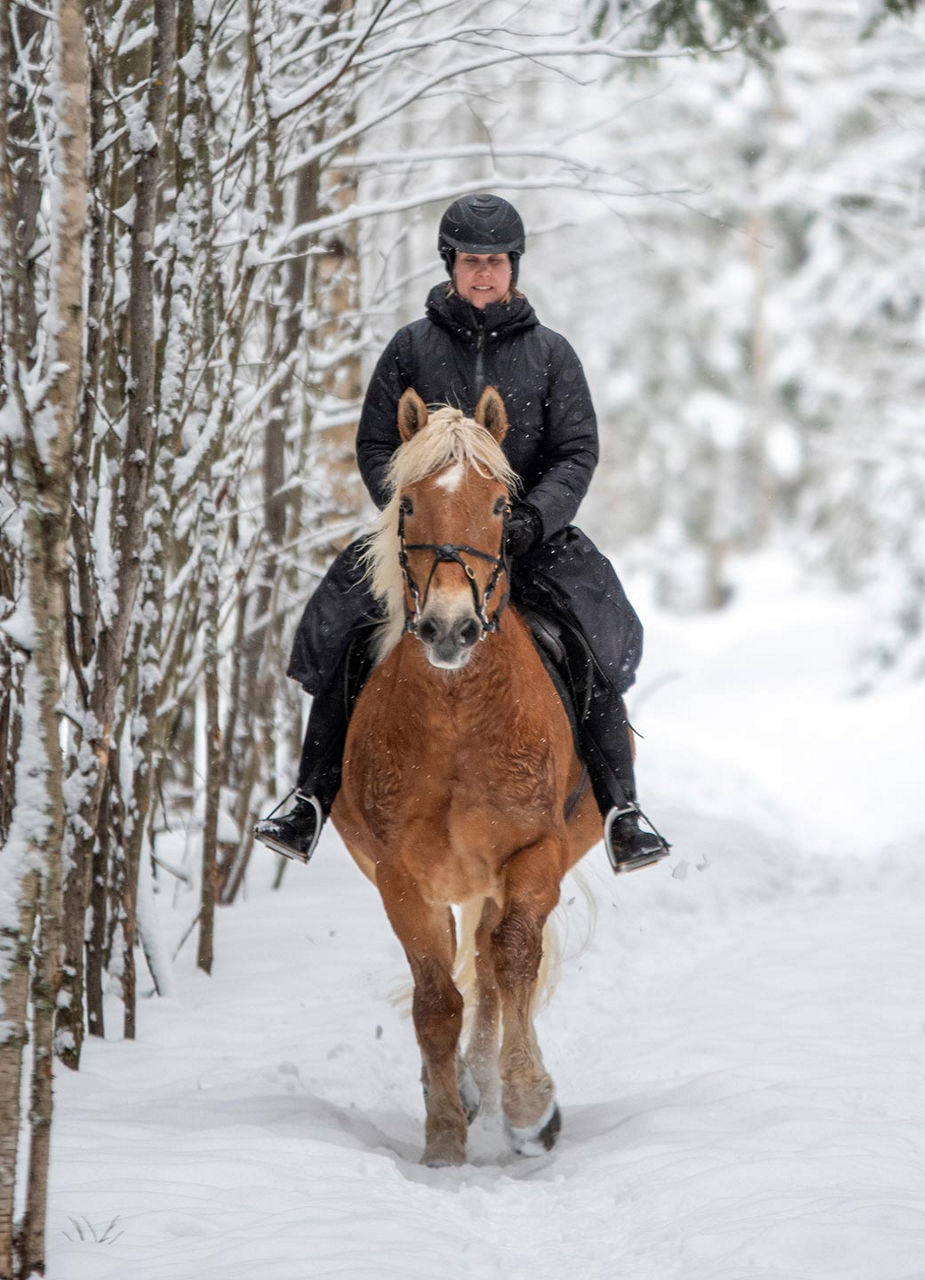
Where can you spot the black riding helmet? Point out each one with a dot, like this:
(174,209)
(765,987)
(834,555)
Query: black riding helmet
(481,224)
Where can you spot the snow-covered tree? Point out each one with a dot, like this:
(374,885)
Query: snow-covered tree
(755,318)
(42,333)
(238,172)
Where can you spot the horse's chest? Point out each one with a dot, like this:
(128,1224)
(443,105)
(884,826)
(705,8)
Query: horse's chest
(457,845)
(472,809)
(482,763)
(452,787)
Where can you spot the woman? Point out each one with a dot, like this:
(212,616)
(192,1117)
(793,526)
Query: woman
(480,330)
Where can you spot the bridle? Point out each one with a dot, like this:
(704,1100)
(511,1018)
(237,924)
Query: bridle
(452,553)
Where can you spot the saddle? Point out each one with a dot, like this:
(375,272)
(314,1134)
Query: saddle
(569,663)
(358,663)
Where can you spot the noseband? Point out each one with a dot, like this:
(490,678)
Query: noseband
(452,553)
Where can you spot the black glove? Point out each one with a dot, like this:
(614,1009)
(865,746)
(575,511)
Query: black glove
(524,529)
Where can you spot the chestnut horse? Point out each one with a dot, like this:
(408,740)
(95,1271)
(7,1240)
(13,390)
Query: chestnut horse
(461,784)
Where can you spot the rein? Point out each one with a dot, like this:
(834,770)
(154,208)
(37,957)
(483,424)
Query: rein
(452,553)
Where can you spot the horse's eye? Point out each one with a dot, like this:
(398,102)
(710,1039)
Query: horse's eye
(406,506)
(500,506)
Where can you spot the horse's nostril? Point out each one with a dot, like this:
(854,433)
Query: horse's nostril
(469,632)
(428,631)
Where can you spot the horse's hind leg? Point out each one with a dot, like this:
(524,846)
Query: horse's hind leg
(527,1091)
(428,936)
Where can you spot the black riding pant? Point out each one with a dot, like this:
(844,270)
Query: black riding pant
(565,577)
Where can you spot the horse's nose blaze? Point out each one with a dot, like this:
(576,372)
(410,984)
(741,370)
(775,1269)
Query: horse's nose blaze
(449,633)
(449,629)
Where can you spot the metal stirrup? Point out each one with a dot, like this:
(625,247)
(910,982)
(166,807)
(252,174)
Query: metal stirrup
(644,860)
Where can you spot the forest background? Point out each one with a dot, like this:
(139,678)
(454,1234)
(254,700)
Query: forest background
(213,216)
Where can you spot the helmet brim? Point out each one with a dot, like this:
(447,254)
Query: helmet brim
(467,246)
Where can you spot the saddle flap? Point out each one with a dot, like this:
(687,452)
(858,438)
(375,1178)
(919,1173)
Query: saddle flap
(568,659)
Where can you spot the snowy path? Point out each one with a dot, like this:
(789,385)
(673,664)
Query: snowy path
(740,1073)
(739,1051)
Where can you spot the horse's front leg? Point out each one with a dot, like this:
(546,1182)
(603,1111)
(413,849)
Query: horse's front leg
(482,1049)
(428,936)
(527,1091)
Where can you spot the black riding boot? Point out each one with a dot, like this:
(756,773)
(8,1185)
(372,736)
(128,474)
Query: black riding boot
(295,834)
(609,756)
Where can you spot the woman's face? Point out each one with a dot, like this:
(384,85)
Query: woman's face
(482,277)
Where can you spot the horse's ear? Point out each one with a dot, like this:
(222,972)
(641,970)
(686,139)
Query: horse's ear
(489,413)
(412,414)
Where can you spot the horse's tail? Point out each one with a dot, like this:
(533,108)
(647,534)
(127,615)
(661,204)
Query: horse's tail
(464,971)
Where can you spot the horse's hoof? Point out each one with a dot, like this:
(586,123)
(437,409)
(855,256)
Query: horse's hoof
(537,1139)
(443,1156)
(469,1094)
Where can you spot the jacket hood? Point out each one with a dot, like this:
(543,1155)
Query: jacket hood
(460,317)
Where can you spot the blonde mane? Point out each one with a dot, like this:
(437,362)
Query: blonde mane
(448,438)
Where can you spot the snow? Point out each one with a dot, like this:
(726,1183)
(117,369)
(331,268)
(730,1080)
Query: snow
(20,627)
(737,1049)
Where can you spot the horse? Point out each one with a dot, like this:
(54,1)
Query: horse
(461,783)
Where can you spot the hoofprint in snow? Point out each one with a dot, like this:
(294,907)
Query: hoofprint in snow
(738,1050)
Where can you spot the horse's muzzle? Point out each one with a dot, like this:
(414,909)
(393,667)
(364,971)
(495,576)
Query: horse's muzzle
(448,642)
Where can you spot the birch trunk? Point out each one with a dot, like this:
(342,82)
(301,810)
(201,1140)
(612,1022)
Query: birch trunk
(19,882)
(15,951)
(132,502)
(45,463)
(53,526)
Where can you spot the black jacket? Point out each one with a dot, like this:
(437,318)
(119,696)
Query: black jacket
(450,356)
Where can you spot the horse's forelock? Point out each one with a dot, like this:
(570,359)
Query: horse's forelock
(449,437)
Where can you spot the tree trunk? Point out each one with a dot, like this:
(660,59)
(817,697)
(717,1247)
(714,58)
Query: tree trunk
(96,939)
(44,993)
(53,527)
(132,503)
(15,951)
(44,464)
(213,779)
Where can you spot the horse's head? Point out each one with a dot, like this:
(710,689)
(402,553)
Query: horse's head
(452,485)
